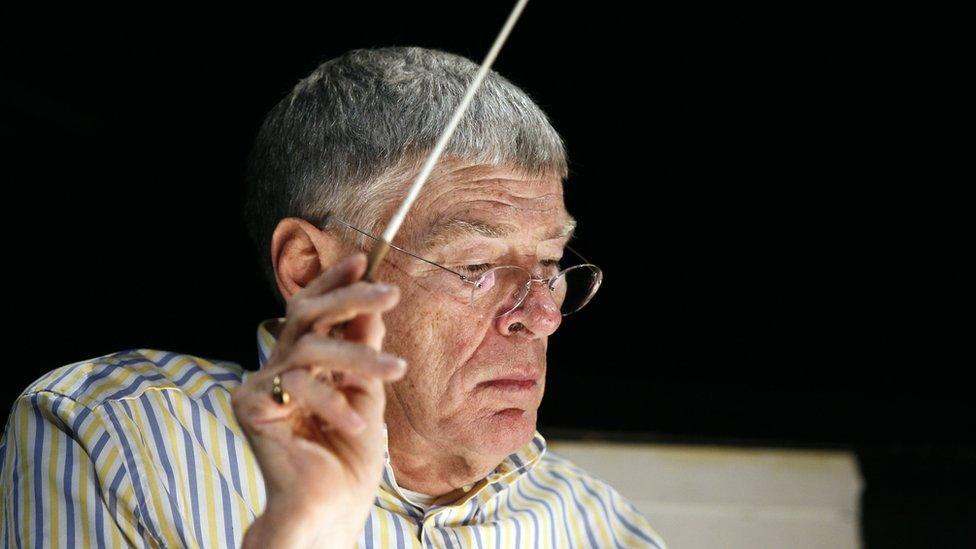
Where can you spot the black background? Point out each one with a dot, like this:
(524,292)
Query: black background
(774,276)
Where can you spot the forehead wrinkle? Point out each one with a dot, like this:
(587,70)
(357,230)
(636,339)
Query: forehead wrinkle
(455,229)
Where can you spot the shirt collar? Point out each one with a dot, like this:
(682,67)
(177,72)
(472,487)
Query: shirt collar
(507,472)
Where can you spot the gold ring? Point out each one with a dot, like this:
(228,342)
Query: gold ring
(278,393)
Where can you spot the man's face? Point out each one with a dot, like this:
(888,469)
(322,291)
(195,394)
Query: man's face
(456,350)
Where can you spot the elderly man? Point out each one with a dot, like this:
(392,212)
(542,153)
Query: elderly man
(397,413)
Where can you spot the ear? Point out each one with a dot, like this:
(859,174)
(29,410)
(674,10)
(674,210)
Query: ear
(299,253)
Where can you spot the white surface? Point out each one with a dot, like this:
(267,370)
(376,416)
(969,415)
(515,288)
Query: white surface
(698,497)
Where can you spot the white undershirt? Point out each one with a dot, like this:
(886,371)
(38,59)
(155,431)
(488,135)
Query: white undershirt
(424,501)
(421,500)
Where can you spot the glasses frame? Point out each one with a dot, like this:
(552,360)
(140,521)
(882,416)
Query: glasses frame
(550,281)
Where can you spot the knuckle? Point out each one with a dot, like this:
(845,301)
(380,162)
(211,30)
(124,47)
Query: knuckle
(310,347)
(293,303)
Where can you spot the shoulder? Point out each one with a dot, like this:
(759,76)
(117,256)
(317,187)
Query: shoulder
(129,374)
(595,497)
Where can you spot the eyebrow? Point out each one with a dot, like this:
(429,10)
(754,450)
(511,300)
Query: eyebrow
(454,229)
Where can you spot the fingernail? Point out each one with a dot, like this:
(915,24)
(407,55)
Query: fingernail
(393,362)
(381,288)
(356,422)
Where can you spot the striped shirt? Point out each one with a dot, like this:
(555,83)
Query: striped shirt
(141,448)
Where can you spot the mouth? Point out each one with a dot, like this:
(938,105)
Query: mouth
(510,385)
(522,380)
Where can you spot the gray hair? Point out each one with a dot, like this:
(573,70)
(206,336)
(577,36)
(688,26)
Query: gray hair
(366,120)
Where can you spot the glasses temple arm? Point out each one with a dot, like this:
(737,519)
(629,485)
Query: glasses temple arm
(415,256)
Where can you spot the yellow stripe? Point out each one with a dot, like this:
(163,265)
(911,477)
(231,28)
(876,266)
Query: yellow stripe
(154,483)
(174,444)
(127,503)
(546,523)
(173,368)
(251,468)
(98,391)
(197,386)
(223,403)
(54,483)
(84,492)
(384,525)
(216,459)
(594,511)
(27,510)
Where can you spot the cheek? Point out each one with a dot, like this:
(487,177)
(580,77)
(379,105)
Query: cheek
(430,336)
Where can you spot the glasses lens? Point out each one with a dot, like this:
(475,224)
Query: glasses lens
(503,288)
(500,289)
(576,287)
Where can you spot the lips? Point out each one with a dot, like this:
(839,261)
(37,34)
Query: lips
(520,379)
(509,384)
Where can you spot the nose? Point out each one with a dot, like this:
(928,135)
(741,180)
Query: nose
(537,316)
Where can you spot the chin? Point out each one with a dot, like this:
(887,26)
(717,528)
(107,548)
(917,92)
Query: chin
(504,432)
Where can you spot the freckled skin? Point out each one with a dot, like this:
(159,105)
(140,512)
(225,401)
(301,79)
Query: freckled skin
(444,431)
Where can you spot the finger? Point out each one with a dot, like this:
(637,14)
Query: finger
(315,352)
(321,313)
(310,396)
(332,407)
(343,273)
(254,406)
(368,329)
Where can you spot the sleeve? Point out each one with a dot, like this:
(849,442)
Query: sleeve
(62,481)
(606,513)
(629,523)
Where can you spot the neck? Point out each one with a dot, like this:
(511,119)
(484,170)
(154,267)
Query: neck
(430,466)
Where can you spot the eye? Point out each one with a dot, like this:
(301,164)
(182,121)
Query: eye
(476,268)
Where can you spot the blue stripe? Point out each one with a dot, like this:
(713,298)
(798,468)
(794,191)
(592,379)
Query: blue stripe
(515,521)
(65,374)
(603,507)
(191,471)
(130,464)
(130,389)
(447,538)
(539,446)
(113,500)
(562,505)
(517,461)
(235,468)
(68,496)
(227,376)
(96,450)
(579,506)
(398,530)
(104,371)
(191,371)
(102,374)
(467,520)
(79,421)
(162,454)
(38,483)
(552,516)
(633,529)
(99,505)
(18,520)
(368,530)
(224,492)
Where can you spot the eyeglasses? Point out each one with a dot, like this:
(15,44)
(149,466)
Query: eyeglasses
(504,287)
